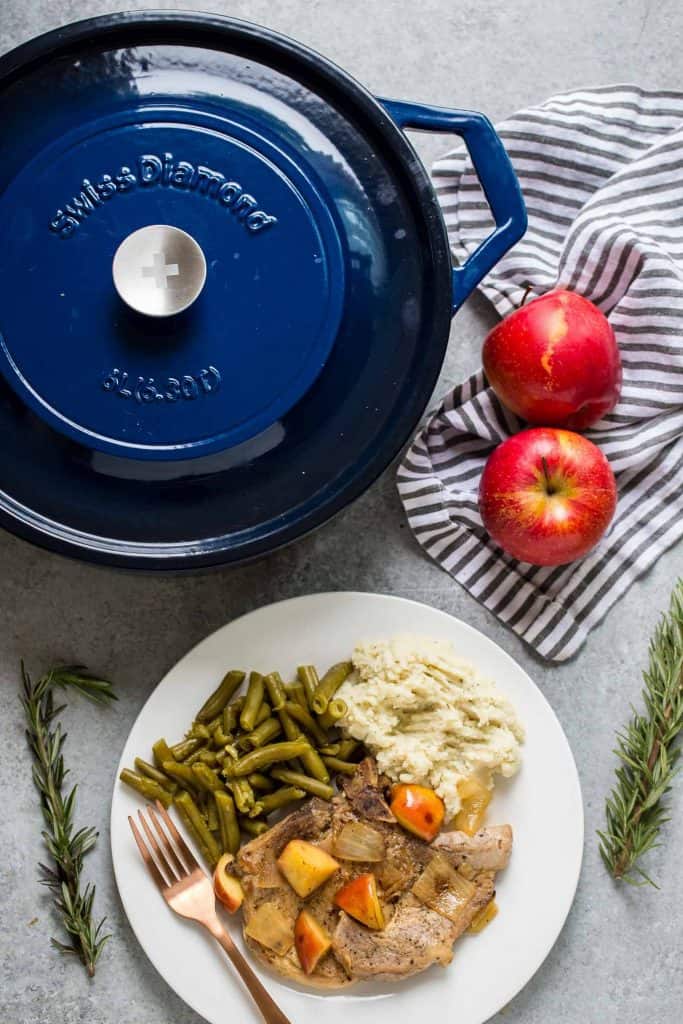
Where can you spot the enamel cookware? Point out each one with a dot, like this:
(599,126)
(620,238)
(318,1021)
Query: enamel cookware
(225,286)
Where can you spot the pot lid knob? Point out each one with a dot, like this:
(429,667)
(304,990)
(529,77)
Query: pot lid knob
(159,270)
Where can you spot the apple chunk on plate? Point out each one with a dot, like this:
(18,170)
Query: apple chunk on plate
(305,866)
(228,889)
(311,941)
(360,900)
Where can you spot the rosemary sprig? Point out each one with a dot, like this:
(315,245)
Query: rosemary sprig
(67,847)
(648,751)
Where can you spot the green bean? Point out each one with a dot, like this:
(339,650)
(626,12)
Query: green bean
(329,684)
(309,679)
(144,768)
(276,690)
(305,719)
(331,749)
(264,756)
(183,774)
(265,711)
(291,731)
(227,820)
(295,692)
(252,704)
(231,714)
(312,786)
(337,708)
(347,748)
(194,822)
(214,704)
(206,778)
(260,782)
(162,752)
(199,731)
(311,760)
(329,719)
(240,746)
(280,798)
(243,795)
(336,765)
(253,827)
(314,765)
(212,816)
(181,751)
(262,734)
(196,756)
(218,737)
(148,788)
(209,757)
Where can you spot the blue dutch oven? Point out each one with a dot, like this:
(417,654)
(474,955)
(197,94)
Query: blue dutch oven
(226,286)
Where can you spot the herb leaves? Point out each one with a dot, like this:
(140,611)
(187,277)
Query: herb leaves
(66,845)
(648,751)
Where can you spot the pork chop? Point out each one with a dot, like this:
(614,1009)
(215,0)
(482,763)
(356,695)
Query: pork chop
(415,936)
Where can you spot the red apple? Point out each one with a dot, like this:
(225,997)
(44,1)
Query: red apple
(310,940)
(359,899)
(228,889)
(555,361)
(547,495)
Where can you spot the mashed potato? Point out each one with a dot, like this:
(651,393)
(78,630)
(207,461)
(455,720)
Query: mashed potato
(428,716)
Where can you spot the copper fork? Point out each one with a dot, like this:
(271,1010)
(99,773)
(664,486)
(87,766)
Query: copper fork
(189,892)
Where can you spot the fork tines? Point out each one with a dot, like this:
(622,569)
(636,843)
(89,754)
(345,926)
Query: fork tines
(163,861)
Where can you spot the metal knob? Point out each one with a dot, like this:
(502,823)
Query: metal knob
(159,270)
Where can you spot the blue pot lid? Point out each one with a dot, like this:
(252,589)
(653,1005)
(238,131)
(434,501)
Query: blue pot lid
(290,376)
(251,343)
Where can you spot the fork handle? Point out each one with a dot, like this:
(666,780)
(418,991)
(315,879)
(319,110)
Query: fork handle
(271,1012)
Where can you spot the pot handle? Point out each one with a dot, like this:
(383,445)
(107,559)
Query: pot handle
(496,176)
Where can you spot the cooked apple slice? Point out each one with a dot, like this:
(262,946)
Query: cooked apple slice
(418,809)
(311,941)
(228,889)
(360,900)
(305,866)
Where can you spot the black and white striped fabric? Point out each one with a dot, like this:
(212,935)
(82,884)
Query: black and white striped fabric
(602,174)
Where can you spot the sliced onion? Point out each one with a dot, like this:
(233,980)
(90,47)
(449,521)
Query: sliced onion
(484,917)
(441,888)
(475,797)
(270,928)
(358,841)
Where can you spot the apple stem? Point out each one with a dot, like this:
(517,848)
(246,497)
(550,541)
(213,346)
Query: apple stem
(527,291)
(546,473)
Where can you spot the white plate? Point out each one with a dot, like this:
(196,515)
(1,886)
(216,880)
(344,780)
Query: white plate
(542,803)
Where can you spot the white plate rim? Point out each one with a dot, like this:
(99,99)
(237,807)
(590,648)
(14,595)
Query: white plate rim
(577,860)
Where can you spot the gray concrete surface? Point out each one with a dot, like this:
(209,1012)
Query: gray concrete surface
(618,959)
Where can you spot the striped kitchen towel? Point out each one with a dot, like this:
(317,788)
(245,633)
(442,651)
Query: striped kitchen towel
(602,174)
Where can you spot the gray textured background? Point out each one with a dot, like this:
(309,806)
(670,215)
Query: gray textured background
(618,958)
